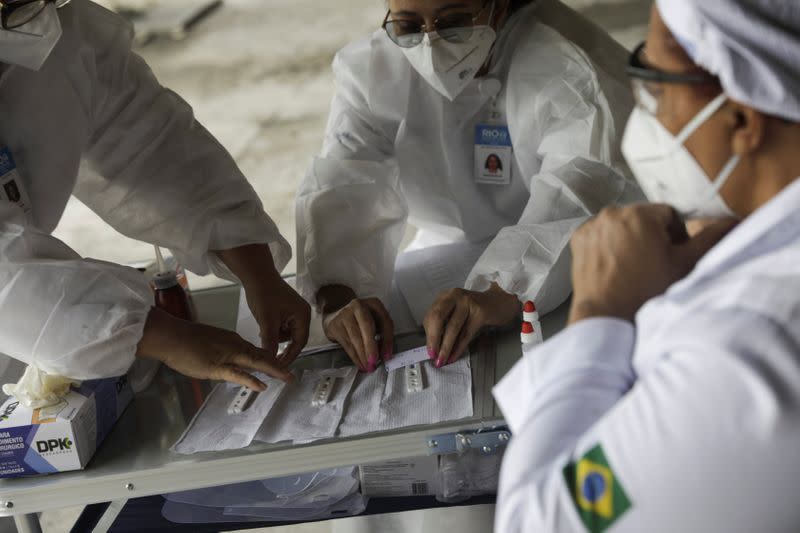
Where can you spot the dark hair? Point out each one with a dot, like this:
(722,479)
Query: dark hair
(497,158)
(516,5)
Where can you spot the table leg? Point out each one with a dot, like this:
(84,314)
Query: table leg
(28,523)
(110,516)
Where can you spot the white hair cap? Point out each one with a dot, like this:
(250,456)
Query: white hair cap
(753,46)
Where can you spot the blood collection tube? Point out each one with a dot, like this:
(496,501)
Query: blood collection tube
(170,296)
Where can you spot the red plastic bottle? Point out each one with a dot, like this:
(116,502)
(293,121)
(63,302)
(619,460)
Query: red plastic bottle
(170,296)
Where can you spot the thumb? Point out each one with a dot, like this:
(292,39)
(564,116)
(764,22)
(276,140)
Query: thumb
(701,243)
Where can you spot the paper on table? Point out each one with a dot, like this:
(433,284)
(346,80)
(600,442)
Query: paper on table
(380,401)
(294,418)
(421,275)
(214,429)
(407,358)
(248,329)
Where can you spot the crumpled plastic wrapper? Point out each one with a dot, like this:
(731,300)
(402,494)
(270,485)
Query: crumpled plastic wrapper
(37,389)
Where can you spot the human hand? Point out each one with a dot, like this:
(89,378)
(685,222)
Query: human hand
(204,352)
(457,317)
(355,326)
(281,314)
(626,256)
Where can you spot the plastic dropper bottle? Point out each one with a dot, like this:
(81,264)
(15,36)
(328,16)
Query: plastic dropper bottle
(169,295)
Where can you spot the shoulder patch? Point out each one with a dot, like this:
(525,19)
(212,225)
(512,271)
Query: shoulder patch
(598,495)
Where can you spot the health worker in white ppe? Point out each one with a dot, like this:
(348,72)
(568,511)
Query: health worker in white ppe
(420,106)
(672,401)
(81,114)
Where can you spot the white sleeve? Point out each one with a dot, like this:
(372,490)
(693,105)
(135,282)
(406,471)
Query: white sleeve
(351,214)
(706,440)
(69,317)
(156,174)
(565,143)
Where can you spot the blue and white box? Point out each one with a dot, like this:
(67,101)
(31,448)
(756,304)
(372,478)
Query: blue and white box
(62,437)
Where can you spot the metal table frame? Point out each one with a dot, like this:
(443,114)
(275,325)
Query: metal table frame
(134,461)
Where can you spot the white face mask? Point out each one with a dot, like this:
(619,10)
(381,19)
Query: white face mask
(450,67)
(666,170)
(30,45)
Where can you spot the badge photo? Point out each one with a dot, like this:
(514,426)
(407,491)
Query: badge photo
(493,155)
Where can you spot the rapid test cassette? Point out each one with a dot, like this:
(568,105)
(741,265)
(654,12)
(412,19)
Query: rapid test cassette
(244,398)
(323,390)
(415,380)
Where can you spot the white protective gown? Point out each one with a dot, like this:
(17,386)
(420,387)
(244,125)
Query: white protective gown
(696,408)
(94,122)
(396,150)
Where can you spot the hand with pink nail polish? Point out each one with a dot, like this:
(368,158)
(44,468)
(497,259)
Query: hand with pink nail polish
(353,323)
(459,315)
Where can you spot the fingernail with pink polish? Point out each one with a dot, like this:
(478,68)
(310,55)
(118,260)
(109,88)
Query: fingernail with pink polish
(387,357)
(431,354)
(439,363)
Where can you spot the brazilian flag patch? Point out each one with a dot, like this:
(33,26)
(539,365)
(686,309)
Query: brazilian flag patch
(599,497)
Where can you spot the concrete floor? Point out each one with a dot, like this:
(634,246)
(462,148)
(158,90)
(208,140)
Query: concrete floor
(257,74)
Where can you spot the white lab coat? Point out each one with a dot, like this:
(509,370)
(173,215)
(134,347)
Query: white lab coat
(395,149)
(148,169)
(697,407)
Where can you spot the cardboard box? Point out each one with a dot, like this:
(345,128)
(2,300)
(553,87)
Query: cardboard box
(62,437)
(417,476)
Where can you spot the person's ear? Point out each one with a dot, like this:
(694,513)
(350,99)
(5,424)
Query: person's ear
(749,132)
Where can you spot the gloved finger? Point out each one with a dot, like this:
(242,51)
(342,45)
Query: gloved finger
(385,327)
(468,334)
(366,326)
(260,361)
(232,374)
(452,333)
(434,325)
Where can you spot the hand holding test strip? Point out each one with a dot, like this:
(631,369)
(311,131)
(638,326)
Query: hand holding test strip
(410,357)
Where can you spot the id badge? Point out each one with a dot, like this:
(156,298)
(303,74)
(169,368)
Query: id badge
(493,154)
(12,189)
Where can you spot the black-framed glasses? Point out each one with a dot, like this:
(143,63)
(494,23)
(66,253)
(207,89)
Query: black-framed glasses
(646,80)
(16,13)
(455,28)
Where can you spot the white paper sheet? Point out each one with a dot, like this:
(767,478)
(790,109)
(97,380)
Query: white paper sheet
(294,418)
(421,275)
(380,401)
(409,357)
(213,429)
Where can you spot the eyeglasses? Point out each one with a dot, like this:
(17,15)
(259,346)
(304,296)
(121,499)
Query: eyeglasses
(646,81)
(16,13)
(455,28)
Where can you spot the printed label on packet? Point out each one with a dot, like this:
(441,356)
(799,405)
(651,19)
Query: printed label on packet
(12,188)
